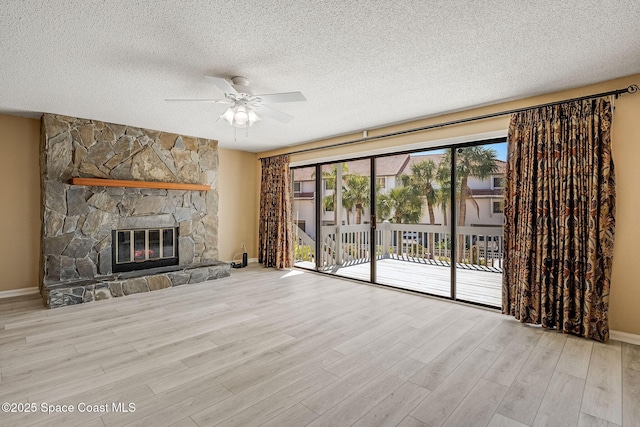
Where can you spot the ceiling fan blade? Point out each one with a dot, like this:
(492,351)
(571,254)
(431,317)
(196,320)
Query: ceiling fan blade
(274,114)
(217,101)
(275,98)
(222,84)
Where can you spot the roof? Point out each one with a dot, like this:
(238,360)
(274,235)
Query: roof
(417,158)
(385,166)
(391,165)
(304,174)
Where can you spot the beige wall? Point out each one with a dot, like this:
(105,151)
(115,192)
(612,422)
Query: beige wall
(20,207)
(239,180)
(238,208)
(624,308)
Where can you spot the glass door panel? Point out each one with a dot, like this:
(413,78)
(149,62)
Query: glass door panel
(154,252)
(304,217)
(480,172)
(413,238)
(346,219)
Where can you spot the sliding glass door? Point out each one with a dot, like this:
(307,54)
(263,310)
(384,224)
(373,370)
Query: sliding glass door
(428,221)
(480,172)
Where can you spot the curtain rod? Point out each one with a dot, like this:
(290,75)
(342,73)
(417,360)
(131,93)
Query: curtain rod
(628,89)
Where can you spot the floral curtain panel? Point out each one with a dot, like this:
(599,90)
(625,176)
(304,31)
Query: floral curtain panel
(275,232)
(560,218)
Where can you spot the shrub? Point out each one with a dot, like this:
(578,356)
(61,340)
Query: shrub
(303,253)
(417,250)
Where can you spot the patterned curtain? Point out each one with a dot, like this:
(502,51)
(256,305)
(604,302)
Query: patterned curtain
(560,218)
(275,232)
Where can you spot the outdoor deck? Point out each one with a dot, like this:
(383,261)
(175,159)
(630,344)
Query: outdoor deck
(483,287)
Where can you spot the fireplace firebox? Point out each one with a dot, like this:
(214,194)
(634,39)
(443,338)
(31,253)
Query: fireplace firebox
(139,249)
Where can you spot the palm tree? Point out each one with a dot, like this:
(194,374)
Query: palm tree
(443,177)
(422,176)
(327,205)
(479,162)
(403,204)
(347,204)
(356,195)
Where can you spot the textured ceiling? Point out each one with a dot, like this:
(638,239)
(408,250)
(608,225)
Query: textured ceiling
(361,64)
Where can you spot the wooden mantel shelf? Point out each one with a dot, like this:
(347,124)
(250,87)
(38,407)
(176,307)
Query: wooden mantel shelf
(101,182)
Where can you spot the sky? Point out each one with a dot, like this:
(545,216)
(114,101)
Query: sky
(501,149)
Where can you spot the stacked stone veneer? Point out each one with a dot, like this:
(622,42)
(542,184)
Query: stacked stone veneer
(78,220)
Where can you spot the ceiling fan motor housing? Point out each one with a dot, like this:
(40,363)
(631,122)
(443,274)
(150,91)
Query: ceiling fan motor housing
(240,81)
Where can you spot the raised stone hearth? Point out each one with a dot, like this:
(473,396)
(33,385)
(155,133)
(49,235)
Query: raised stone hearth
(118,285)
(78,220)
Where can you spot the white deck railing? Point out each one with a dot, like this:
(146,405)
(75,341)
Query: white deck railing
(478,247)
(305,246)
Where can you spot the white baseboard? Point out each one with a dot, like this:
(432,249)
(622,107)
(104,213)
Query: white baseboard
(19,292)
(625,337)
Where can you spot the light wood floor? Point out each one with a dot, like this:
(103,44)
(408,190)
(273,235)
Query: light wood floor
(293,348)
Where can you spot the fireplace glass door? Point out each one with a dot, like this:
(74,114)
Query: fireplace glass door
(144,248)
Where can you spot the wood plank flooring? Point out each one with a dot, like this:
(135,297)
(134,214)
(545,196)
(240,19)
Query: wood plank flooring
(294,348)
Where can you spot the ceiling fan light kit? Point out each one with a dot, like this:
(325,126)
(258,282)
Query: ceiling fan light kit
(240,116)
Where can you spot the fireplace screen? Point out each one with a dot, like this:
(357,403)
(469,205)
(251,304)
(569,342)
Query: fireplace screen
(144,248)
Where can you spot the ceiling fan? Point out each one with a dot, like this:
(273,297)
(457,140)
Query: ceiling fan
(244,108)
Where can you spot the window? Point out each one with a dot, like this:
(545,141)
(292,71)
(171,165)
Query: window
(327,184)
(498,182)
(381,182)
(301,224)
(297,188)
(498,206)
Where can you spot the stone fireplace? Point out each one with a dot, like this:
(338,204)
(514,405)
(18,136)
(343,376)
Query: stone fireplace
(81,223)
